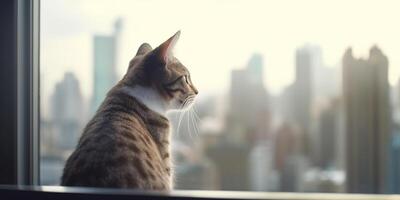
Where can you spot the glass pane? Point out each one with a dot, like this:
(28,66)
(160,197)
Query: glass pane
(295,96)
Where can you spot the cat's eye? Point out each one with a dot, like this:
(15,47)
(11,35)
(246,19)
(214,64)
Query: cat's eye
(174,81)
(186,79)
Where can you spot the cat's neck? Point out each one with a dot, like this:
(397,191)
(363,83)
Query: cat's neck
(148,96)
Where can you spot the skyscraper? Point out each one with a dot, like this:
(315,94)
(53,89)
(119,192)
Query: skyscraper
(308,58)
(328,129)
(247,123)
(105,64)
(303,87)
(67,112)
(366,101)
(249,106)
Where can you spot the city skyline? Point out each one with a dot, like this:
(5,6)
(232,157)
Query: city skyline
(225,91)
(293,146)
(288,115)
(332,32)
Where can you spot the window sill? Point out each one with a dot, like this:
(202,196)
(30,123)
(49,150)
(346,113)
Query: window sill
(58,192)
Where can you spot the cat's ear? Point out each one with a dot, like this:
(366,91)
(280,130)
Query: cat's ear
(143,49)
(164,51)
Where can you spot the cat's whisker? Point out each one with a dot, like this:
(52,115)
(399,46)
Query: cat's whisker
(176,116)
(195,112)
(196,128)
(181,115)
(196,115)
(195,122)
(191,121)
(191,117)
(179,124)
(196,119)
(188,127)
(196,131)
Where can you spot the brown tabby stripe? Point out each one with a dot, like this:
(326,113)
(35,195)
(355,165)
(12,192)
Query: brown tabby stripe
(173,82)
(129,135)
(166,142)
(173,90)
(149,164)
(166,155)
(134,148)
(140,168)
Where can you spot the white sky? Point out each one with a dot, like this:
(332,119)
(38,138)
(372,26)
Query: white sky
(217,35)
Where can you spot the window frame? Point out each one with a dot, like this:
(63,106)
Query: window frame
(28,33)
(20,86)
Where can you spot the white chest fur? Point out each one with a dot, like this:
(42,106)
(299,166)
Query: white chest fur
(149,97)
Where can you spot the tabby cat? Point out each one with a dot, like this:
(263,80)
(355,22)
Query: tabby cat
(127,142)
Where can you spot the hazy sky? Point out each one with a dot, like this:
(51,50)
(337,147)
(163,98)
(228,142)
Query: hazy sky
(217,35)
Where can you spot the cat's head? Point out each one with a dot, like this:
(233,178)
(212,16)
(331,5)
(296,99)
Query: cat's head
(158,70)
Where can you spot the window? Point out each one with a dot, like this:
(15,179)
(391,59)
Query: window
(284,86)
(295,96)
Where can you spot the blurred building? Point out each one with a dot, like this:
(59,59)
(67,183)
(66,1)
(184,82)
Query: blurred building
(329,128)
(193,169)
(248,116)
(301,95)
(396,94)
(287,156)
(60,133)
(326,79)
(306,58)
(47,138)
(236,153)
(263,175)
(286,144)
(368,121)
(395,100)
(105,63)
(232,164)
(394,164)
(67,113)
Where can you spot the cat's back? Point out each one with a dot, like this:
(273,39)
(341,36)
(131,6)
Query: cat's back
(116,150)
(101,158)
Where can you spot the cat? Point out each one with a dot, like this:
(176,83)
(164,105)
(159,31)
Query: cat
(127,142)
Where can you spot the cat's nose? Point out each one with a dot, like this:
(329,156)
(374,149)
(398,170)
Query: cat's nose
(194,90)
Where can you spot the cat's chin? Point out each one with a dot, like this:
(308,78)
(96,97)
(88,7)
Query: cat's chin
(187,106)
(182,107)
